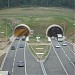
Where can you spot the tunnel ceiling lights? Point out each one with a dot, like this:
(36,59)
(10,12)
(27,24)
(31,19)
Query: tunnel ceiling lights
(21,30)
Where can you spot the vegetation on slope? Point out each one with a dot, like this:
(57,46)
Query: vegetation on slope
(38,19)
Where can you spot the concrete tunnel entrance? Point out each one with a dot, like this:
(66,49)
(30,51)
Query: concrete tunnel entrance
(22,30)
(53,30)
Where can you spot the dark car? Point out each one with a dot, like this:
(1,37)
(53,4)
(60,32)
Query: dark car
(23,38)
(21,46)
(17,38)
(13,48)
(20,64)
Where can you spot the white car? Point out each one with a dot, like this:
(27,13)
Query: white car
(57,46)
(64,44)
(52,38)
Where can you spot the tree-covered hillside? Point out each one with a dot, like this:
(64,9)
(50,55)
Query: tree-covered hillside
(45,3)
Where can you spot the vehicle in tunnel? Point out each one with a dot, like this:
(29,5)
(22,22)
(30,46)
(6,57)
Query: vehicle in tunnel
(23,38)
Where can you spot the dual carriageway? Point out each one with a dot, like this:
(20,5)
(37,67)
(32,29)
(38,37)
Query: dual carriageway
(60,61)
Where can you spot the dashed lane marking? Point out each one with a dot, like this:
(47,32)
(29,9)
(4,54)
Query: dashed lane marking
(59,59)
(15,56)
(66,55)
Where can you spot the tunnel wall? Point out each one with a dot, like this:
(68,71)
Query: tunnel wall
(22,30)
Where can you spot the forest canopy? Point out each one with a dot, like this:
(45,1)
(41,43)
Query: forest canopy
(41,3)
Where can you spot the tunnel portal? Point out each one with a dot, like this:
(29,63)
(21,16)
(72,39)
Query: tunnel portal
(21,30)
(53,30)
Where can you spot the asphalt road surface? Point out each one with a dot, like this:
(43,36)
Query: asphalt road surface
(32,67)
(60,60)
(8,65)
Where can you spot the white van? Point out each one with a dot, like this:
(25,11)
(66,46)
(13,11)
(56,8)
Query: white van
(4,73)
(59,37)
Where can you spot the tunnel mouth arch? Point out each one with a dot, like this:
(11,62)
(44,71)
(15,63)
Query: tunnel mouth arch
(53,30)
(21,30)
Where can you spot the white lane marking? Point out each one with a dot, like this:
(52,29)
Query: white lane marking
(72,63)
(43,68)
(25,58)
(70,60)
(69,42)
(59,59)
(14,59)
(12,70)
(66,55)
(70,48)
(6,56)
(15,55)
(64,51)
(13,64)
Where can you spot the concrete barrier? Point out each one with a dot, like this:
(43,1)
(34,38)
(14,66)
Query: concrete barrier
(1,58)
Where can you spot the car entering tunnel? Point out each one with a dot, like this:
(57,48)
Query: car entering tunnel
(53,30)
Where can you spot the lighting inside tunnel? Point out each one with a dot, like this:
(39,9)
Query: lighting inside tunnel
(22,30)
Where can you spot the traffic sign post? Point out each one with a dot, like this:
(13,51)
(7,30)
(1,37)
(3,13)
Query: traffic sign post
(37,39)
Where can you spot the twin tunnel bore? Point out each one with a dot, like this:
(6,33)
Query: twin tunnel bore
(24,30)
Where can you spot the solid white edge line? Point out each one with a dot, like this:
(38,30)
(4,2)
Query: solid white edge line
(66,55)
(59,59)
(25,58)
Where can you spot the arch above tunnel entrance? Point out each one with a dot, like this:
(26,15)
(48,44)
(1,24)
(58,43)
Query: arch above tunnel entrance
(21,30)
(53,30)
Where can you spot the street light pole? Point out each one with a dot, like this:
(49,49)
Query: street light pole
(8,3)
(63,28)
(6,32)
(74,38)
